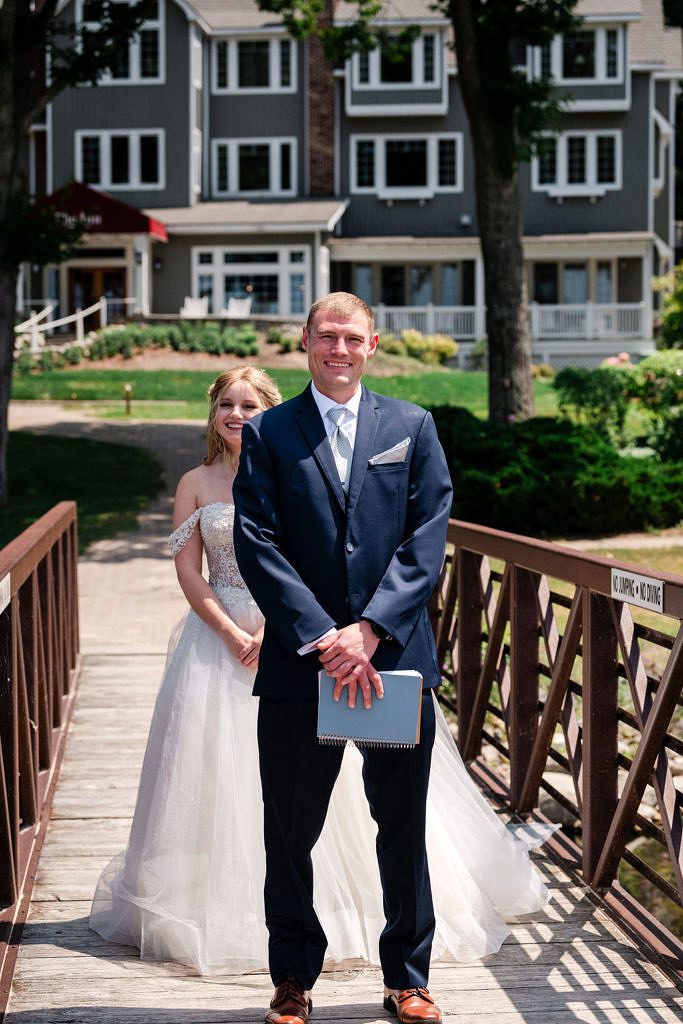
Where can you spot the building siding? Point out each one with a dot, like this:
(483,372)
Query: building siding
(103,107)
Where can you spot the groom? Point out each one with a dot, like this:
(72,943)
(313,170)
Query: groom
(342,499)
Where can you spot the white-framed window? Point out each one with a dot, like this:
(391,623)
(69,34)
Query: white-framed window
(254,167)
(118,160)
(578,163)
(420,66)
(406,166)
(277,279)
(144,61)
(589,56)
(255,65)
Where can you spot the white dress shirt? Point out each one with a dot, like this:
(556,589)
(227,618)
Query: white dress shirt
(324,404)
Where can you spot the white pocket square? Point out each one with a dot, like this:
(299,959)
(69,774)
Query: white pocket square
(396,454)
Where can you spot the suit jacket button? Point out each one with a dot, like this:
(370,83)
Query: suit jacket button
(349,547)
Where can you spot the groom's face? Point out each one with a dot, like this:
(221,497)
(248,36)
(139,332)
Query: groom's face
(338,346)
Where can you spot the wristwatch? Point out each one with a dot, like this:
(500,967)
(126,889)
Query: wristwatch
(380,632)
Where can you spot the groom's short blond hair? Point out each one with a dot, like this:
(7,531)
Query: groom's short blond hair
(343,303)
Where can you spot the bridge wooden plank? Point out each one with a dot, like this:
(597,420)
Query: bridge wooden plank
(569,963)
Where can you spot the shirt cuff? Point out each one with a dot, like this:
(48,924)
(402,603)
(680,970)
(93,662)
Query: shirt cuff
(307,648)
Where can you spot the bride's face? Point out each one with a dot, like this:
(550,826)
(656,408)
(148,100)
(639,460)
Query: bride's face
(237,404)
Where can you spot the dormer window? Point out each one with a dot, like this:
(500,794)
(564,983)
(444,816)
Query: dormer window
(585,57)
(419,65)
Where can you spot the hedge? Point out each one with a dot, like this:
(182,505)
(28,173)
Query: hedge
(553,478)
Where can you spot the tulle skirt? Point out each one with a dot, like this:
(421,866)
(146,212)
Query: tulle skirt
(189,886)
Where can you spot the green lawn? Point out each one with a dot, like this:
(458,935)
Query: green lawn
(185,390)
(110,482)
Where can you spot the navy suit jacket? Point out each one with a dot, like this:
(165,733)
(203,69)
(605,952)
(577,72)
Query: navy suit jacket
(315,558)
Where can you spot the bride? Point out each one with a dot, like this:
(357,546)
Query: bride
(189,886)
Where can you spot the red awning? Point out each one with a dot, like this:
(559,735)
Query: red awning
(101,213)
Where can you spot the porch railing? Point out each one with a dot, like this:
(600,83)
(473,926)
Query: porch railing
(461,322)
(38,660)
(588,321)
(562,687)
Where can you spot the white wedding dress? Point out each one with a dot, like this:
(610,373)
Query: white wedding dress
(189,886)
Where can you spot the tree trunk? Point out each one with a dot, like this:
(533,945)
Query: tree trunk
(511,394)
(491,121)
(8,296)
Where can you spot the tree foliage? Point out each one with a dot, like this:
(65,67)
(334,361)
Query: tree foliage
(36,38)
(42,52)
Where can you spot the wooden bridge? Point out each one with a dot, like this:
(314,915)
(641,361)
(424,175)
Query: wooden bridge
(560,689)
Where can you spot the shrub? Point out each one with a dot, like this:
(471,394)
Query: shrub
(479,354)
(24,363)
(553,478)
(667,437)
(288,339)
(73,355)
(661,381)
(429,348)
(671,325)
(392,345)
(542,371)
(598,397)
(290,342)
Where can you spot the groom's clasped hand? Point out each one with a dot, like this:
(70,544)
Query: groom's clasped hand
(345,655)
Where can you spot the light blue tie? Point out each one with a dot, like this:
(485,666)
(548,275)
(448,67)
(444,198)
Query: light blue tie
(340,444)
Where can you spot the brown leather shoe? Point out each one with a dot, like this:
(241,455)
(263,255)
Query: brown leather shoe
(289,1005)
(412,1006)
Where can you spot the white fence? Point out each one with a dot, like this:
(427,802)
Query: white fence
(37,329)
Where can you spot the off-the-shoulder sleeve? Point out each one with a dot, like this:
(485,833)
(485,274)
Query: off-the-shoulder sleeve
(180,537)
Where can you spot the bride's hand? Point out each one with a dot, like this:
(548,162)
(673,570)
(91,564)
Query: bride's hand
(244,647)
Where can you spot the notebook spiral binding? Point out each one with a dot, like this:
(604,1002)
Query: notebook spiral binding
(343,741)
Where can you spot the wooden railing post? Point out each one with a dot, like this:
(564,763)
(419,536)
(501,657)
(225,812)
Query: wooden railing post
(600,722)
(523,705)
(9,742)
(469,640)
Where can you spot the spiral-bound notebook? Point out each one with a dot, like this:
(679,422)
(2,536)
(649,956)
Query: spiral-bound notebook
(393,721)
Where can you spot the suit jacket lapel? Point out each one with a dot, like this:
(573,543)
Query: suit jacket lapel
(310,421)
(366,429)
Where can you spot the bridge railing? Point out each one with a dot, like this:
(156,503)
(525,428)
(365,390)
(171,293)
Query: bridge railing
(38,660)
(566,675)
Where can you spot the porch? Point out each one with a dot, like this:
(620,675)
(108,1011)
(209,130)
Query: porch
(578,334)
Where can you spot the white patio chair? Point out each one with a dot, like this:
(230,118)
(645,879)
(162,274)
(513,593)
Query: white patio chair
(194,307)
(237,307)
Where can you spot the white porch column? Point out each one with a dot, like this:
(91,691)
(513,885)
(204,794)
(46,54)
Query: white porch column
(321,271)
(142,273)
(19,301)
(479,299)
(648,270)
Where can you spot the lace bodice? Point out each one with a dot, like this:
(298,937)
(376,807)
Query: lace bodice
(216,521)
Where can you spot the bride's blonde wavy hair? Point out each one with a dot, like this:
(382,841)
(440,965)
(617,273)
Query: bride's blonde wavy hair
(268,395)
